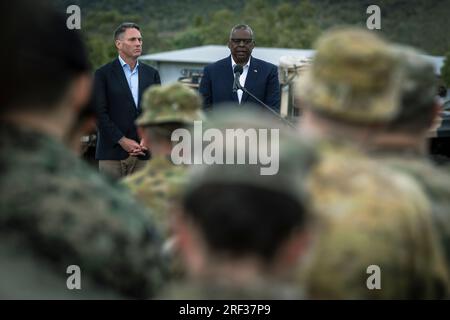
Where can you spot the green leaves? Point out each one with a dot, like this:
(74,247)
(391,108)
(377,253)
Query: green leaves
(275,23)
(177,24)
(445,70)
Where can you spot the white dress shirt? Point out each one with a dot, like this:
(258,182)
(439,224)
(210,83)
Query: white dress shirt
(132,78)
(243,76)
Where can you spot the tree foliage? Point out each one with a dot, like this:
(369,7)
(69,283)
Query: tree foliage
(445,70)
(177,24)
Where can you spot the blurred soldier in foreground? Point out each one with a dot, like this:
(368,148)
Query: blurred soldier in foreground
(54,210)
(403,143)
(371,215)
(165,109)
(241,233)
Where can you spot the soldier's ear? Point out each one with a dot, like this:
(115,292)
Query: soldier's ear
(189,244)
(79,92)
(438,108)
(436,117)
(294,249)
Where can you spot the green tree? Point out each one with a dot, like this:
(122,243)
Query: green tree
(287,24)
(98,30)
(190,38)
(99,26)
(282,23)
(445,70)
(100,51)
(216,31)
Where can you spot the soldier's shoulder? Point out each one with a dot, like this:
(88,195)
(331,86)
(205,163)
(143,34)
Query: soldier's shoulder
(163,167)
(55,183)
(59,199)
(156,172)
(134,180)
(423,170)
(364,185)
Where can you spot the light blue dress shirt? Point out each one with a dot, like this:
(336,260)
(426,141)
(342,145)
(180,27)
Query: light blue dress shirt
(132,79)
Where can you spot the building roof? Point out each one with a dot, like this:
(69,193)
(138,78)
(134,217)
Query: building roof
(211,53)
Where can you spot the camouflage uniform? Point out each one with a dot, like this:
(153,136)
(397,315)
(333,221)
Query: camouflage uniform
(55,211)
(370,214)
(294,161)
(159,184)
(418,90)
(435,181)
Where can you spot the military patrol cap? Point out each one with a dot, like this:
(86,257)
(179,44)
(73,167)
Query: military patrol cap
(170,103)
(354,77)
(295,157)
(418,89)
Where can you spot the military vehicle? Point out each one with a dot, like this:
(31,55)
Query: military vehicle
(290,69)
(191,78)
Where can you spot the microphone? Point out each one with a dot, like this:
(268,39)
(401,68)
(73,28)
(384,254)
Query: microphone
(237,70)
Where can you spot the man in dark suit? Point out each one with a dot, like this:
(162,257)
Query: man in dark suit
(259,77)
(118,89)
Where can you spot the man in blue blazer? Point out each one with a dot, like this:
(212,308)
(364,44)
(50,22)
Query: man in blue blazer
(118,88)
(259,77)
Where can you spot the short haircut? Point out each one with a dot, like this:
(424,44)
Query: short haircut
(243,220)
(242,27)
(46,56)
(123,27)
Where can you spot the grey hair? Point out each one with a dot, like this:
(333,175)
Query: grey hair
(242,27)
(123,27)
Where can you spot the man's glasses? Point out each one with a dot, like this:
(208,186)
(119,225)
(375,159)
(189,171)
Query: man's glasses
(238,41)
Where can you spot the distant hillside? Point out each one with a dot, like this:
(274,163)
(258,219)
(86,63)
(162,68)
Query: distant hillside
(173,24)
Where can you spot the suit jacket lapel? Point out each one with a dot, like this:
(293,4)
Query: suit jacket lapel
(123,80)
(250,81)
(142,84)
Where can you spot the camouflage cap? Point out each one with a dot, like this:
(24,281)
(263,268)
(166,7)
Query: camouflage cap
(294,157)
(354,77)
(170,103)
(418,88)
